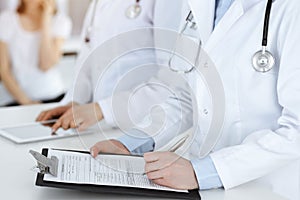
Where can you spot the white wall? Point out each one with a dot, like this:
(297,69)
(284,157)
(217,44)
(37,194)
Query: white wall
(8,4)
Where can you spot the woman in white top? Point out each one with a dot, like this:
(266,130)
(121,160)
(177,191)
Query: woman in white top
(30,47)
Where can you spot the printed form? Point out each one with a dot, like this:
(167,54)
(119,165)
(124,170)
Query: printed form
(110,170)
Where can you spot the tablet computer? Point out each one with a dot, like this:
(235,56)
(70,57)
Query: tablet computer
(34,132)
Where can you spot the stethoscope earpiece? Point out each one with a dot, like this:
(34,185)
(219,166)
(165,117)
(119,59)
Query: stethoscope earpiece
(263,61)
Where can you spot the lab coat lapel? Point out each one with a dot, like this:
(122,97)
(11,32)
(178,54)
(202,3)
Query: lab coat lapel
(235,12)
(225,24)
(203,11)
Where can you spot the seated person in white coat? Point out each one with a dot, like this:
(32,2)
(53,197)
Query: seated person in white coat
(260,139)
(109,14)
(31,39)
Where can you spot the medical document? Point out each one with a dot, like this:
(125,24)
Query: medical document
(110,170)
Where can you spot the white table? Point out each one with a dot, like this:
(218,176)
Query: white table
(17,180)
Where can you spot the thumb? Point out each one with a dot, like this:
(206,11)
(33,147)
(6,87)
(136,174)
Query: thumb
(83,127)
(95,150)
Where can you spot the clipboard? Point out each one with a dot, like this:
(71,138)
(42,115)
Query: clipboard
(106,189)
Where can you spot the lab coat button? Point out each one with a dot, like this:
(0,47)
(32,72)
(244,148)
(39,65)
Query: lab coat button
(205,111)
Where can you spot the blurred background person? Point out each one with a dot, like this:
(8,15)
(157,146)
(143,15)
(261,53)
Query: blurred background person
(30,48)
(6,5)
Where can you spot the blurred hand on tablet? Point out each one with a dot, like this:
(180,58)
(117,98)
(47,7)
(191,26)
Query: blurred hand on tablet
(109,146)
(80,117)
(54,113)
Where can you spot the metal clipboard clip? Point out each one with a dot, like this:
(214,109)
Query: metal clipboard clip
(44,164)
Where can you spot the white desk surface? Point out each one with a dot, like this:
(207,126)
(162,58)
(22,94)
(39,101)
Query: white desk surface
(17,181)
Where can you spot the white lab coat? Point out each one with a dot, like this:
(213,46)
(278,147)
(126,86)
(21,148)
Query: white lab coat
(153,15)
(109,21)
(261,134)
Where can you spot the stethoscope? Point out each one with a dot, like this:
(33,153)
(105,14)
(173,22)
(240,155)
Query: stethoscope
(192,25)
(132,12)
(262,61)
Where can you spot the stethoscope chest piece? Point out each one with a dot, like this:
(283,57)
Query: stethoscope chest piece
(134,11)
(263,61)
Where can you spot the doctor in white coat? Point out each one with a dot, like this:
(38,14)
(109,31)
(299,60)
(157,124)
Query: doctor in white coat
(260,138)
(106,19)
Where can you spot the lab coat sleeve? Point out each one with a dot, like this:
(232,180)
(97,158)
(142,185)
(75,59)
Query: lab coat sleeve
(138,107)
(107,111)
(81,90)
(82,81)
(159,114)
(177,118)
(129,108)
(265,151)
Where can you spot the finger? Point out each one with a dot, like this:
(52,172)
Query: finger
(66,122)
(152,166)
(46,115)
(83,126)
(78,122)
(151,157)
(73,124)
(161,182)
(155,175)
(50,114)
(41,115)
(56,126)
(50,124)
(95,150)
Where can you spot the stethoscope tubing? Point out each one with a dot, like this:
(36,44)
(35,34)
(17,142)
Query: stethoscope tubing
(90,26)
(263,53)
(267,23)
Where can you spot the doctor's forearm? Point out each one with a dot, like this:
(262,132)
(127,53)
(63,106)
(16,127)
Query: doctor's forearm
(257,156)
